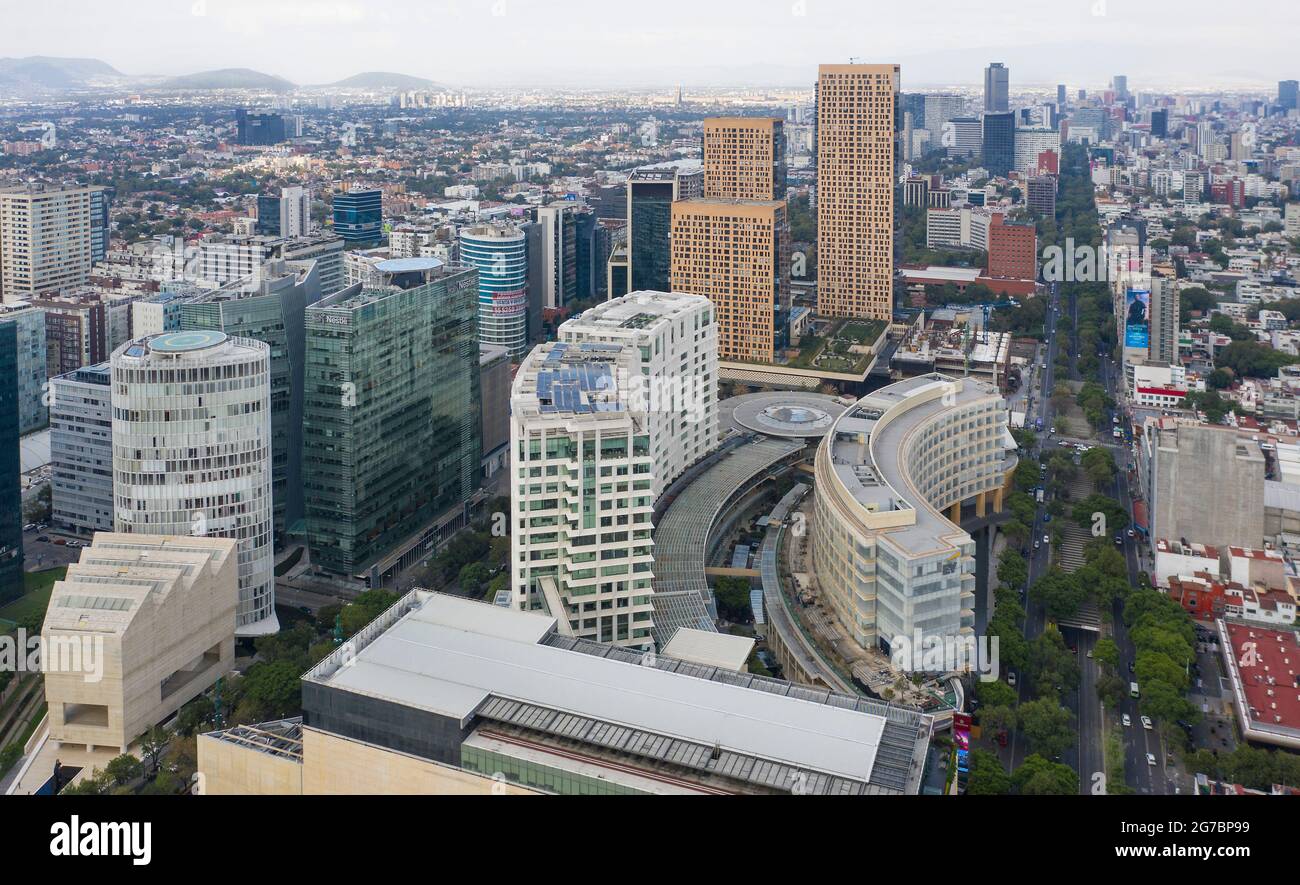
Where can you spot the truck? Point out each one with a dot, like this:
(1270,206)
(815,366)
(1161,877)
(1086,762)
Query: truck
(1133,690)
(1041,496)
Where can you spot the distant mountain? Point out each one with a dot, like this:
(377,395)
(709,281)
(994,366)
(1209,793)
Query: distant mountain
(229,78)
(385,80)
(45,72)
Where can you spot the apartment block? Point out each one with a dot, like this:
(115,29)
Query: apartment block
(584,492)
(45,238)
(736,254)
(744,158)
(677,338)
(856,119)
(81,449)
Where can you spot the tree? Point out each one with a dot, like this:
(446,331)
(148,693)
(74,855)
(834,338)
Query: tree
(1059,593)
(995,694)
(1116,517)
(732,595)
(1106,653)
(1048,726)
(987,776)
(1100,466)
(154,743)
(1040,777)
(473,578)
(364,609)
(123,769)
(271,691)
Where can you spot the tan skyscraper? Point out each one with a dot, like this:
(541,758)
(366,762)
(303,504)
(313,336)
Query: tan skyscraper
(45,239)
(744,158)
(736,254)
(855,190)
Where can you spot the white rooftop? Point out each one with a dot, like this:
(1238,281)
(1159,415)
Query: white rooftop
(449,655)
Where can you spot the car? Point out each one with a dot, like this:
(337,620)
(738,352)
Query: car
(1151,760)
(1127,720)
(1090,654)
(1038,545)
(1047,518)
(1047,539)
(44,539)
(1011,678)
(1131,668)
(1052,432)
(1146,722)
(1119,540)
(1131,534)
(30,527)
(60,542)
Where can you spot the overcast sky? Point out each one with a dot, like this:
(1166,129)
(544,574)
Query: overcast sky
(1165,43)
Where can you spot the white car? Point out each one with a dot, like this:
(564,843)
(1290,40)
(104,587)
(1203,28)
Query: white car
(1151,760)
(1011,679)
(1128,722)
(1047,539)
(1146,722)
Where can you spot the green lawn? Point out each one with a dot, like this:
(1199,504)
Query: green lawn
(38,587)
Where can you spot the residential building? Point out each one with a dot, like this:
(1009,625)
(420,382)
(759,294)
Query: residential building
(744,158)
(81,450)
(737,254)
(1013,249)
(856,169)
(192,452)
(46,238)
(677,338)
(584,495)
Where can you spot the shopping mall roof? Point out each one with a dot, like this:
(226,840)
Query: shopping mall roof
(470,661)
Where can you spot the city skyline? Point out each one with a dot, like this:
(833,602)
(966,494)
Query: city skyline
(540,45)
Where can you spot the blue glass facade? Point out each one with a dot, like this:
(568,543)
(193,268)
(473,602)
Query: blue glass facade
(359,218)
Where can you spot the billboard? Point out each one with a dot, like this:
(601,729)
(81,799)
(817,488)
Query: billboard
(1137,319)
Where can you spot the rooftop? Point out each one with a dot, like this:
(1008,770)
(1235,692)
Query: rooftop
(471,661)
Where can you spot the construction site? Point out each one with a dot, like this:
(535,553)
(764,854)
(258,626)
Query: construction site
(955,342)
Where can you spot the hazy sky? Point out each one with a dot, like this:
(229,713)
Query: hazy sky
(658,42)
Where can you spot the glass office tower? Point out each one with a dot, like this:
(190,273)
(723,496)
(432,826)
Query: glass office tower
(359,218)
(392,436)
(11,499)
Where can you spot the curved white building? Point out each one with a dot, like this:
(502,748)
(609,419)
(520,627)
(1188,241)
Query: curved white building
(500,253)
(192,451)
(892,476)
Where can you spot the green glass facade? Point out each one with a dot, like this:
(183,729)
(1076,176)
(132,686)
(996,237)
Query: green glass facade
(539,777)
(391,433)
(276,320)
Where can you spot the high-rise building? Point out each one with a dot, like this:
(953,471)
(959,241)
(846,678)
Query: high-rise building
(744,158)
(940,109)
(856,163)
(737,254)
(32,364)
(651,192)
(1013,250)
(359,218)
(997,84)
(1061,98)
(964,137)
(1160,123)
(192,452)
(47,235)
(1040,195)
(228,259)
(677,337)
(270,309)
(1119,85)
(101,199)
(391,439)
(1293,220)
(11,496)
(81,449)
(76,331)
(1029,144)
(288,215)
(559,253)
(1000,143)
(582,549)
(259,128)
(1165,319)
(500,253)
(1288,94)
